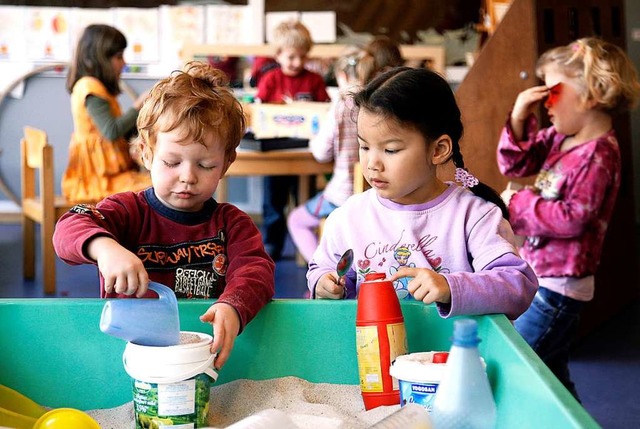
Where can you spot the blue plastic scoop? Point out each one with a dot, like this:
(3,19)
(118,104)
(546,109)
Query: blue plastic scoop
(147,322)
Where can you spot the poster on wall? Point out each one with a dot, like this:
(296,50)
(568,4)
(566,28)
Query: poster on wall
(321,25)
(12,41)
(81,18)
(273,19)
(140,26)
(180,25)
(48,34)
(228,25)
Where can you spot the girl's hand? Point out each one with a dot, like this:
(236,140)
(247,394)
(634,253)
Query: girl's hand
(525,105)
(329,288)
(509,192)
(123,272)
(226,325)
(426,285)
(506,195)
(527,101)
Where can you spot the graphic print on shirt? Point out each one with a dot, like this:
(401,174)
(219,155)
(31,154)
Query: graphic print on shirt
(303,96)
(364,268)
(87,209)
(377,253)
(548,183)
(401,255)
(436,263)
(200,266)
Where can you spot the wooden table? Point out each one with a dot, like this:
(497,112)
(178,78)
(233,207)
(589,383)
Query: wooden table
(286,162)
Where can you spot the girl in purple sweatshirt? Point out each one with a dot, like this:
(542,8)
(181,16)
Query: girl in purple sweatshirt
(439,242)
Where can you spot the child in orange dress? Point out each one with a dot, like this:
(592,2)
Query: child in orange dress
(100,163)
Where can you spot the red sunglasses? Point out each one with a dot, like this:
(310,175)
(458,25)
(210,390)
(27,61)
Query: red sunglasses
(554,95)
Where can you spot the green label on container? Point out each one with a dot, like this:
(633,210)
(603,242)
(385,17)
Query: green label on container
(181,405)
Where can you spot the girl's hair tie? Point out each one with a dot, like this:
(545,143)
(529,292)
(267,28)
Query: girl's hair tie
(466,179)
(577,47)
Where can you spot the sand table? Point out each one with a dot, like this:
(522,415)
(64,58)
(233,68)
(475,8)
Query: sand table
(309,405)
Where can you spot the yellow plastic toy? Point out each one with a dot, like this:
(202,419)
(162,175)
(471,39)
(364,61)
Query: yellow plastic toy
(18,411)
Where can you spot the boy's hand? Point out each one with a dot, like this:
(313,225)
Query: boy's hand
(226,325)
(426,286)
(329,288)
(123,272)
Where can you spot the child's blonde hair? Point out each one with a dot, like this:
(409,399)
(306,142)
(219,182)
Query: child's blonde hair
(197,99)
(291,34)
(604,71)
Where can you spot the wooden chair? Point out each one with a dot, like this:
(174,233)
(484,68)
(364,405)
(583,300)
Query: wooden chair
(39,205)
(359,183)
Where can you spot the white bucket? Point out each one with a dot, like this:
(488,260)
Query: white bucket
(418,377)
(171,384)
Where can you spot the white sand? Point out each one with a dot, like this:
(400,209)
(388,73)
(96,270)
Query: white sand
(308,405)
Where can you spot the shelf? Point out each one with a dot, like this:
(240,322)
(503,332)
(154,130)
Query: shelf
(434,55)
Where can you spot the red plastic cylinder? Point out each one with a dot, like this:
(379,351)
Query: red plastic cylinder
(380,337)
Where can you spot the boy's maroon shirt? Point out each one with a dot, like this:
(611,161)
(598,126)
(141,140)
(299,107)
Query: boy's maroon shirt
(214,253)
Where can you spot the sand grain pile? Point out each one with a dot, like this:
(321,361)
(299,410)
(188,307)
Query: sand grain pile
(309,405)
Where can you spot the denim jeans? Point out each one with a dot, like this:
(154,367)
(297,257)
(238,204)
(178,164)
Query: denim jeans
(549,326)
(319,206)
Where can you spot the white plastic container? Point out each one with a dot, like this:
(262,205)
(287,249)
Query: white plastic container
(419,377)
(171,384)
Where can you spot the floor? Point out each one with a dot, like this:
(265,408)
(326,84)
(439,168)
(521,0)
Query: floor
(605,364)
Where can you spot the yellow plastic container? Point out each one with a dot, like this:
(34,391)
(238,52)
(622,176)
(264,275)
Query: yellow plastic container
(18,411)
(66,418)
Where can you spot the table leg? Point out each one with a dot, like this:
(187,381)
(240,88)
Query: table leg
(303,196)
(303,189)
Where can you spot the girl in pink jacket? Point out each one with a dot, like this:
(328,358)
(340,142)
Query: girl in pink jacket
(565,214)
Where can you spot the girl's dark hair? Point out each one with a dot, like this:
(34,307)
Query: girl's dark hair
(95,48)
(422,99)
